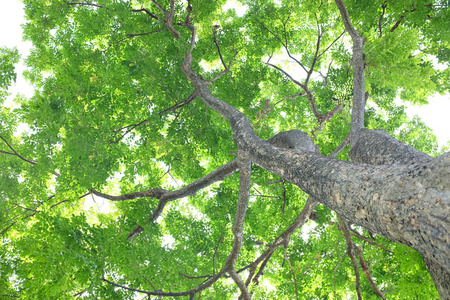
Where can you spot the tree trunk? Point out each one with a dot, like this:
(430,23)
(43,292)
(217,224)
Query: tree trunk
(408,204)
(441,277)
(378,148)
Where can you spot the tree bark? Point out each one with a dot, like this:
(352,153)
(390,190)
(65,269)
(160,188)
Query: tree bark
(441,277)
(376,147)
(359,101)
(408,204)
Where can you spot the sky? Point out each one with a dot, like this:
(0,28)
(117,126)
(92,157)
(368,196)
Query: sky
(435,114)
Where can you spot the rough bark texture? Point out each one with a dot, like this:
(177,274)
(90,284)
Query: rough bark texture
(441,277)
(407,204)
(378,148)
(293,139)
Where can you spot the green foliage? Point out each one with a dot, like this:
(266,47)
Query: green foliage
(104,79)
(8,57)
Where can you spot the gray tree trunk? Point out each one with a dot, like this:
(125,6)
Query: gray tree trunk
(408,204)
(389,188)
(376,147)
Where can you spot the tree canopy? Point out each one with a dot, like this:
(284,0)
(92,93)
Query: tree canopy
(132,178)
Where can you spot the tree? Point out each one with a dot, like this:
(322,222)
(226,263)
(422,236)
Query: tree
(168,111)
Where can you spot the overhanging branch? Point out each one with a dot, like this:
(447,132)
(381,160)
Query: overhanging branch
(165,196)
(34,162)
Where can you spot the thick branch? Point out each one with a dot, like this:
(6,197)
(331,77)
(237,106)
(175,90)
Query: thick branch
(240,284)
(376,147)
(358,75)
(346,19)
(440,277)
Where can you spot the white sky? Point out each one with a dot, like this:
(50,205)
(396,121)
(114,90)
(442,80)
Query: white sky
(11,16)
(435,115)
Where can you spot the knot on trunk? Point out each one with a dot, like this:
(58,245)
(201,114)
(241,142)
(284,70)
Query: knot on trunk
(293,139)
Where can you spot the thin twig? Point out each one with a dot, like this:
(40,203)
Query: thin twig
(146,279)
(79,294)
(341,146)
(182,103)
(332,43)
(287,75)
(293,277)
(195,277)
(355,234)
(132,35)
(149,13)
(214,29)
(215,253)
(351,253)
(165,12)
(84,4)
(334,270)
(34,162)
(311,69)
(366,272)
(383,6)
